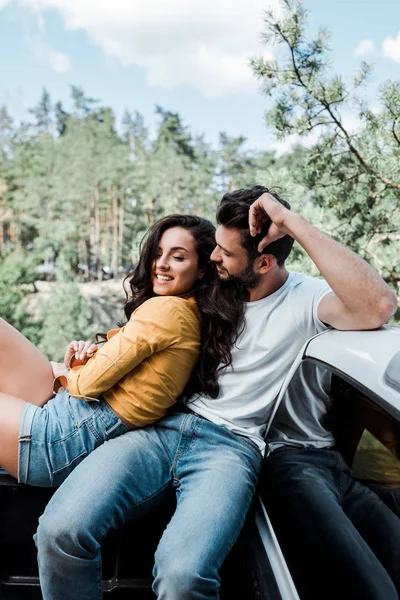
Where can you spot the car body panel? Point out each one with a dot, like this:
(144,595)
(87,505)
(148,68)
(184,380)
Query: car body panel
(271,545)
(362,356)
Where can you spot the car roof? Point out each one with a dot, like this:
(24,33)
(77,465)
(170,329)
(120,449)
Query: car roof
(363,357)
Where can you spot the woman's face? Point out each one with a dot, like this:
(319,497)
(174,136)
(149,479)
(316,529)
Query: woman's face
(175,267)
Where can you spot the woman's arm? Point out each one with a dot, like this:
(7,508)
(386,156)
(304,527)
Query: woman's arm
(76,355)
(152,327)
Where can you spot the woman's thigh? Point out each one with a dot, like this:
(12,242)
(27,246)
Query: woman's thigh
(24,371)
(11,410)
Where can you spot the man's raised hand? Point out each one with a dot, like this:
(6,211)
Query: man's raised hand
(267,208)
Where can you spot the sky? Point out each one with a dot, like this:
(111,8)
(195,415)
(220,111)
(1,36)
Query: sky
(188,56)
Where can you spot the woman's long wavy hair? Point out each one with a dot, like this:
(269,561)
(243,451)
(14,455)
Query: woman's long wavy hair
(222,311)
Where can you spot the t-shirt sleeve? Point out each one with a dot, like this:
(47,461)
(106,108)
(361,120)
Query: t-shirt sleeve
(304,300)
(154,326)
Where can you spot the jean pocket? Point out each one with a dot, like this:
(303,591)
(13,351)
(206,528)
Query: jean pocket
(116,429)
(62,473)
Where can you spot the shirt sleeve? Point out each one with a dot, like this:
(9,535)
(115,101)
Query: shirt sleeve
(304,301)
(154,326)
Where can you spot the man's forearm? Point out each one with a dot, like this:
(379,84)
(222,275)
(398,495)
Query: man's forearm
(354,281)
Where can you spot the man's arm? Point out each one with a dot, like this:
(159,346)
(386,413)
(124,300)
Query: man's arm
(361,299)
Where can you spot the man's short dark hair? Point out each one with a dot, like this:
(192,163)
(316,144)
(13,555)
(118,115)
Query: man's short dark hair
(233,212)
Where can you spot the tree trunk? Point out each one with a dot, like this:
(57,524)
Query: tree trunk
(97,246)
(114,249)
(121,226)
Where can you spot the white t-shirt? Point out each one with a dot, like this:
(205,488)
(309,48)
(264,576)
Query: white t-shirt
(276,328)
(301,418)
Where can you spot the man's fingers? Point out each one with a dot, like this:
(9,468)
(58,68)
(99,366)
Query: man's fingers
(264,242)
(257,216)
(253,220)
(274,234)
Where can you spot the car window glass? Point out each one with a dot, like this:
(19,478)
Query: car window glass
(375,462)
(369,440)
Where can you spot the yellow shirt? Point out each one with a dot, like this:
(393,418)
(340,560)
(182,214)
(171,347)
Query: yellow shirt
(144,366)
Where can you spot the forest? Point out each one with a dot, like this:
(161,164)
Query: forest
(79,189)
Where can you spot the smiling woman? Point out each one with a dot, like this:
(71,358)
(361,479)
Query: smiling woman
(135,376)
(176,267)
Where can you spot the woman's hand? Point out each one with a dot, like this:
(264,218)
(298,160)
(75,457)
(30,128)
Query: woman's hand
(59,369)
(78,353)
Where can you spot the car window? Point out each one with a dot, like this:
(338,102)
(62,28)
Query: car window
(369,439)
(376,462)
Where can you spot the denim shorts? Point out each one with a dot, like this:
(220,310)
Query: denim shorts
(54,439)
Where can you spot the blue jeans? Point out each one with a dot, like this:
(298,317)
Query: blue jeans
(55,438)
(213,472)
(341,540)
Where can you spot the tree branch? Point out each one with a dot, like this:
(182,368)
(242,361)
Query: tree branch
(336,121)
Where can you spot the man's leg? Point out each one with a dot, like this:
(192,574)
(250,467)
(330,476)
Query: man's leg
(215,476)
(377,524)
(119,481)
(328,556)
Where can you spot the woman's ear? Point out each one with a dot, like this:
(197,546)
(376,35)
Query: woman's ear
(201,274)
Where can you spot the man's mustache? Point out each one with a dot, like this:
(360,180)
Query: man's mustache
(212,262)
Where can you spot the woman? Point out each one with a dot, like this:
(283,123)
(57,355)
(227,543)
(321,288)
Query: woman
(172,319)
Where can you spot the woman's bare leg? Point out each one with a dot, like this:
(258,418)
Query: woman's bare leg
(11,409)
(25,372)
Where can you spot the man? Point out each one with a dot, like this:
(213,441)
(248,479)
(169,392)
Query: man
(210,454)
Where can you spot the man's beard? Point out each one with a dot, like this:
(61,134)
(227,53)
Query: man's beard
(246,278)
(241,282)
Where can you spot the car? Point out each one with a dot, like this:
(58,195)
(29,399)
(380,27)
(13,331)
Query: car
(364,367)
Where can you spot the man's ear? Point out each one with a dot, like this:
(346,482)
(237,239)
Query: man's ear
(264,263)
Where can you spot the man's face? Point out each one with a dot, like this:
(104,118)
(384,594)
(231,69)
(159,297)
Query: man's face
(231,258)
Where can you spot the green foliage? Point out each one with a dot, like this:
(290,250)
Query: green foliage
(77,192)
(351,173)
(17,277)
(65,317)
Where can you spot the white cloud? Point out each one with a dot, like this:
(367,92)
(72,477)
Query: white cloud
(391,48)
(365,48)
(59,61)
(202,43)
(44,53)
